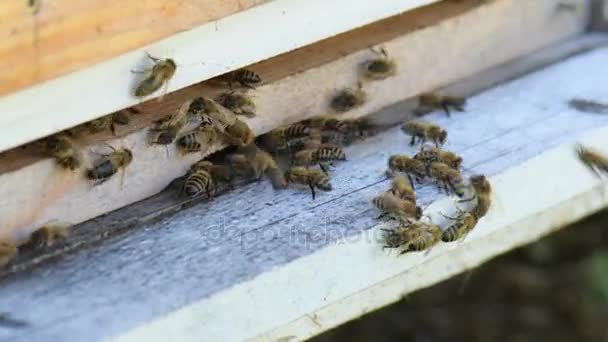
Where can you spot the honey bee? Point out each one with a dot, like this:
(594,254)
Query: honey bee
(350,128)
(194,141)
(199,181)
(432,154)
(424,131)
(108,122)
(409,166)
(46,236)
(379,68)
(258,162)
(483,194)
(464,223)
(168,129)
(239,134)
(347,99)
(315,179)
(109,164)
(592,159)
(396,207)
(240,104)
(449,178)
(428,102)
(221,173)
(401,188)
(154,78)
(244,77)
(8,251)
(61,147)
(277,139)
(413,236)
(319,156)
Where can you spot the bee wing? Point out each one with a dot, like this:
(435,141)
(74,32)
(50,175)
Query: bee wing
(222,118)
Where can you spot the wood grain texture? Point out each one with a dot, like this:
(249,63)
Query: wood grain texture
(67,35)
(439,60)
(231,257)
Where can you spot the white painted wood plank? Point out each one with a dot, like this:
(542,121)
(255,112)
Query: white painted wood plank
(440,58)
(256,262)
(214,48)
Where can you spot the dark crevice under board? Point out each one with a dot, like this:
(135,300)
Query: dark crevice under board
(162,266)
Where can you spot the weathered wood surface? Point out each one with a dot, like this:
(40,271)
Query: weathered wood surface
(68,35)
(440,59)
(231,248)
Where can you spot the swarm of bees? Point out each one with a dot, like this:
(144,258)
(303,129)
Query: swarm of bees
(442,167)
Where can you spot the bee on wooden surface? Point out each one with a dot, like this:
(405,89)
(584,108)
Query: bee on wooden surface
(432,154)
(379,68)
(424,131)
(239,134)
(483,194)
(396,207)
(108,122)
(167,129)
(154,78)
(46,236)
(401,187)
(592,159)
(445,176)
(428,102)
(463,224)
(109,164)
(240,104)
(199,181)
(350,128)
(257,162)
(8,251)
(277,139)
(204,135)
(211,111)
(221,173)
(244,77)
(61,147)
(410,166)
(348,99)
(315,179)
(319,156)
(413,236)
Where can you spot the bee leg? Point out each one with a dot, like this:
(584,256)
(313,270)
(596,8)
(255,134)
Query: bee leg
(323,168)
(413,140)
(446,109)
(409,178)
(312,190)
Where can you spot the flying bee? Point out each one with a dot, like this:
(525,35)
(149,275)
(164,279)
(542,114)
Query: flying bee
(239,134)
(315,179)
(401,188)
(410,166)
(592,159)
(167,129)
(46,236)
(244,77)
(8,251)
(154,78)
(428,102)
(432,154)
(347,99)
(109,164)
(379,68)
(483,193)
(424,131)
(61,147)
(413,236)
(240,104)
(278,139)
(204,135)
(396,207)
(445,176)
(199,181)
(319,156)
(463,224)
(256,162)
